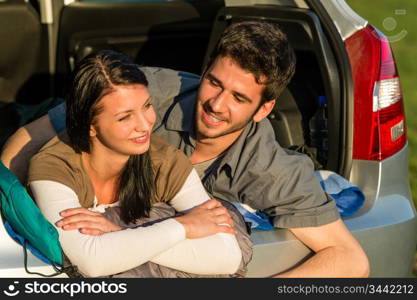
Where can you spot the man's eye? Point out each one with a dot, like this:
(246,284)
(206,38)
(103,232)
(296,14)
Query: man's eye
(239,99)
(213,82)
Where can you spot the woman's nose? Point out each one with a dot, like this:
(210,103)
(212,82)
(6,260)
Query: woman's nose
(142,123)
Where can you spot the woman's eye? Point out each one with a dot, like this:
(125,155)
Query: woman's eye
(124,118)
(148,105)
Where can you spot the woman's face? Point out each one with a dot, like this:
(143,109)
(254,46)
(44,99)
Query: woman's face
(124,121)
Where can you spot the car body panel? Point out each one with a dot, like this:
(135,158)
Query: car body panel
(292,3)
(346,20)
(389,222)
(12,258)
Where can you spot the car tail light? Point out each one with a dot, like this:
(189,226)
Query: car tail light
(379,120)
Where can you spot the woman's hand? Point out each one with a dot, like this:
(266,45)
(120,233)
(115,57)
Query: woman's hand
(206,219)
(86,221)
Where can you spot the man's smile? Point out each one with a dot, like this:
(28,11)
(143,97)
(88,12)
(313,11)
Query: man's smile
(211,120)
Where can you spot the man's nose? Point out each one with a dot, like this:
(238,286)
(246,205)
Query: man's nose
(218,102)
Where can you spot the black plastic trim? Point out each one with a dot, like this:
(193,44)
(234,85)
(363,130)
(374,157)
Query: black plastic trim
(346,88)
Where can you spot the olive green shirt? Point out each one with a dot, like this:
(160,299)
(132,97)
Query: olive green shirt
(57,161)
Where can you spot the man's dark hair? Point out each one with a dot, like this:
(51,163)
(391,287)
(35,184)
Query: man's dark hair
(94,77)
(262,49)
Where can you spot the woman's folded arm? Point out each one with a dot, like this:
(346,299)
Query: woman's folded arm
(109,253)
(164,242)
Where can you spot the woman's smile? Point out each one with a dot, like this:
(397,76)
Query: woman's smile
(140,139)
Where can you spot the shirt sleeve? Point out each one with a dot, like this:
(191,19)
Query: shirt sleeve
(165,85)
(192,193)
(291,195)
(105,254)
(57,115)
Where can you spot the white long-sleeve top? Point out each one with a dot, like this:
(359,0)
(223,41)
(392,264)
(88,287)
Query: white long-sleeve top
(163,243)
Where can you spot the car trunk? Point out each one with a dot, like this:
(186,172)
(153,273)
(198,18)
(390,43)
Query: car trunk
(316,75)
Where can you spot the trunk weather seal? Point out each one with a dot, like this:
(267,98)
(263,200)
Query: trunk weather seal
(346,87)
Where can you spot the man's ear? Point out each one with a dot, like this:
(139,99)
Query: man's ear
(264,110)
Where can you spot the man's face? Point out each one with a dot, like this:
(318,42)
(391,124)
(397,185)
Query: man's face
(228,99)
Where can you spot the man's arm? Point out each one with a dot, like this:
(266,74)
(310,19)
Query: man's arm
(24,143)
(337,253)
(283,185)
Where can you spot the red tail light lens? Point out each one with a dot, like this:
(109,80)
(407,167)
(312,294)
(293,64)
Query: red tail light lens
(379,120)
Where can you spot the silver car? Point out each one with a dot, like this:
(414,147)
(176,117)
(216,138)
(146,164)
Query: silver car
(339,56)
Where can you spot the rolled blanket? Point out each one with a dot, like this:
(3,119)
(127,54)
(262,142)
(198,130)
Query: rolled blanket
(349,198)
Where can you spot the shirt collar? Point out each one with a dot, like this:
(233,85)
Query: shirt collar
(233,154)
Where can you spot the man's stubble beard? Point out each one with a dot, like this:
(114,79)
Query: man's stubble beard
(235,128)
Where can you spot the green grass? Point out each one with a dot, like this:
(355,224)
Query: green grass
(379,14)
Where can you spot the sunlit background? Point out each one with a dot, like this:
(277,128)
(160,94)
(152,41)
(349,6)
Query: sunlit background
(397,20)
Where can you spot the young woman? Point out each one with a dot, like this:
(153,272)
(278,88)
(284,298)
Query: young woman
(108,159)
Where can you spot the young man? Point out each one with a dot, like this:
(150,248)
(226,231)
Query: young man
(219,123)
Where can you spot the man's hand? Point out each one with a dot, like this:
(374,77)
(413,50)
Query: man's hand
(86,221)
(207,219)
